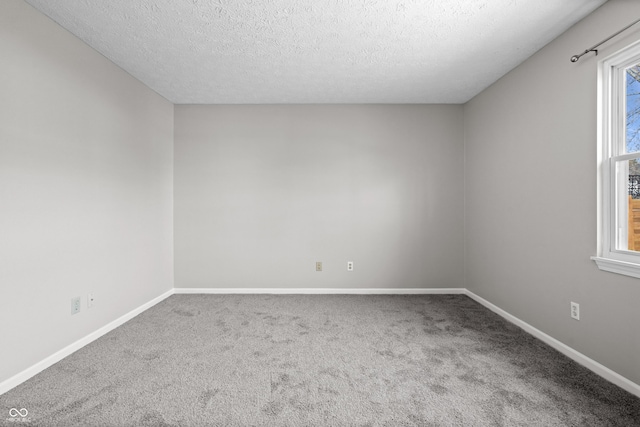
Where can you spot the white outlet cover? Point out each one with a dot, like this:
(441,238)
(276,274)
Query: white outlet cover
(575,310)
(75,305)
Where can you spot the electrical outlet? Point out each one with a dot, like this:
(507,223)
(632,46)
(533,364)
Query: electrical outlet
(575,310)
(349,265)
(75,305)
(318,266)
(91,299)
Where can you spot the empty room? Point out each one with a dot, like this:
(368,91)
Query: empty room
(320,213)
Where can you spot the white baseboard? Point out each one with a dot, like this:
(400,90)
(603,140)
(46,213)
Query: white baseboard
(589,363)
(329,291)
(61,354)
(575,355)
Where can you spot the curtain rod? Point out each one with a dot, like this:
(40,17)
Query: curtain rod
(575,58)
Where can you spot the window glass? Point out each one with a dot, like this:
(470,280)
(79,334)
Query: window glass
(627,213)
(628,171)
(632,98)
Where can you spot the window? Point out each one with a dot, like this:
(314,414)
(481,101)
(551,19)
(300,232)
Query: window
(619,163)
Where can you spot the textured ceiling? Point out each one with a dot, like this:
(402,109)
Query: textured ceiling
(317,51)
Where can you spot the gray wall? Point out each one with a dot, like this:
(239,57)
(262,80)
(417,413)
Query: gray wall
(85,189)
(262,192)
(531,197)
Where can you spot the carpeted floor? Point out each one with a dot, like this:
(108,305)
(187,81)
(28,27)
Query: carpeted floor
(319,360)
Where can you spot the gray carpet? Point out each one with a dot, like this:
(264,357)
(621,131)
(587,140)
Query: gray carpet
(319,360)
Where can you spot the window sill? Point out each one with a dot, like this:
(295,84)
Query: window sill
(619,267)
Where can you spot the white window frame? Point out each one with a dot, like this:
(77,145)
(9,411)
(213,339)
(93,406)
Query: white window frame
(612,203)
